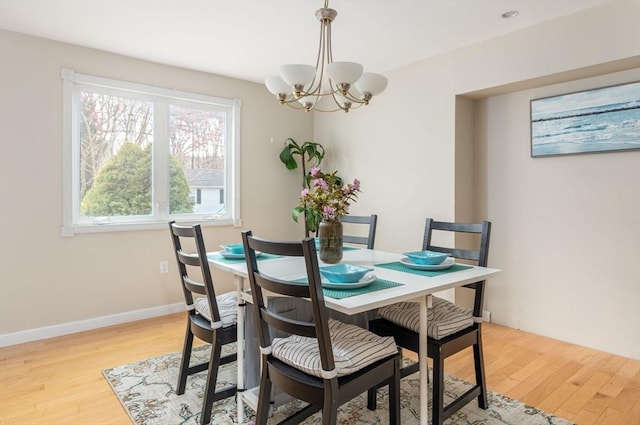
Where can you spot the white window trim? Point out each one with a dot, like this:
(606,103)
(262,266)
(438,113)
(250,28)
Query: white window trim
(70,154)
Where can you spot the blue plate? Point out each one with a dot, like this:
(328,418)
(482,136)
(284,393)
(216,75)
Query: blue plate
(236,256)
(448,262)
(365,281)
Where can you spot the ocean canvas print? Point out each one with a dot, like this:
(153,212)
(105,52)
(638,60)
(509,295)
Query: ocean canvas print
(604,119)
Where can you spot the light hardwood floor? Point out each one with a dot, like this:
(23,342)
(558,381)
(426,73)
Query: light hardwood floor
(59,380)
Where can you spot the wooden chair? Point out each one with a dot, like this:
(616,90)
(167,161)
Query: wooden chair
(210,318)
(305,364)
(450,327)
(370,220)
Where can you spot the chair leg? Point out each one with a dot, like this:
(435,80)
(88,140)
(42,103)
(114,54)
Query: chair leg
(186,357)
(210,388)
(372,393)
(394,394)
(329,408)
(371,398)
(478,359)
(438,391)
(264,396)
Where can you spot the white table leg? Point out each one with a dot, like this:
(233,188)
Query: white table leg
(422,358)
(239,283)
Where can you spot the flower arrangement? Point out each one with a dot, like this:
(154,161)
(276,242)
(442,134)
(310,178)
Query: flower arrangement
(325,198)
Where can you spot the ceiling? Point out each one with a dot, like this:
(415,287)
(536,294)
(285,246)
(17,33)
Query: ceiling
(250,39)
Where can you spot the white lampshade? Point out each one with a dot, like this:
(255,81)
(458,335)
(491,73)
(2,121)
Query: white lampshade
(296,74)
(276,85)
(371,83)
(344,72)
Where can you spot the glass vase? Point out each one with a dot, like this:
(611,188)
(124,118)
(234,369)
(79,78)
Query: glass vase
(330,240)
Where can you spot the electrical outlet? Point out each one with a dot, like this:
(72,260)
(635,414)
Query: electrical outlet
(164,266)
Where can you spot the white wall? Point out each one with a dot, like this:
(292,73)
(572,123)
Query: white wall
(567,230)
(404,148)
(47,280)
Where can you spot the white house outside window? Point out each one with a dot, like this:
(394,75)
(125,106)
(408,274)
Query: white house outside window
(137,156)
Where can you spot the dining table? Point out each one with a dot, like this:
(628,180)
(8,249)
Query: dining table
(396,281)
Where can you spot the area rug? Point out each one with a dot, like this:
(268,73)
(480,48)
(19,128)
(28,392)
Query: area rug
(146,390)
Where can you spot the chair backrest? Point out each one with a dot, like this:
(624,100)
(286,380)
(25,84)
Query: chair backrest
(195,274)
(317,327)
(368,240)
(479,254)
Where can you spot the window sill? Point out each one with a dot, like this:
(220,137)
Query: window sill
(69,231)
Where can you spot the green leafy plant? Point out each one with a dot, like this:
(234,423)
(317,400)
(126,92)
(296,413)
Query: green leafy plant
(309,153)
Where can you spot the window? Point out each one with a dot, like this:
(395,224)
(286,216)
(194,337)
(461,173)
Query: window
(136,155)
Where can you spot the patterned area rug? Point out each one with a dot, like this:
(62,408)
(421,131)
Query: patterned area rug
(146,389)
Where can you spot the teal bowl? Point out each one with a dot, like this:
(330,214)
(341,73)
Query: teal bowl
(233,248)
(344,273)
(427,258)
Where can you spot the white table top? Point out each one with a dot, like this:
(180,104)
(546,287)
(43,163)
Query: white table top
(414,285)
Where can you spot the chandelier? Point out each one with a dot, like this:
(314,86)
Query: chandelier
(330,86)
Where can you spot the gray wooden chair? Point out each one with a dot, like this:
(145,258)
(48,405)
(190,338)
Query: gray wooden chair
(322,361)
(450,328)
(370,220)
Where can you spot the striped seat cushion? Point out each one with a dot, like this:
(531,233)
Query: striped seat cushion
(443,318)
(227,307)
(353,349)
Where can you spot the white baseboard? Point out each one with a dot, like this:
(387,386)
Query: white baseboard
(30,335)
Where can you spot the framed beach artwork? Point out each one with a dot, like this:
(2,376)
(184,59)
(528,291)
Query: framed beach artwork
(598,120)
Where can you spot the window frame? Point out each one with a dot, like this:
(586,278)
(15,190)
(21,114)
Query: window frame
(161,99)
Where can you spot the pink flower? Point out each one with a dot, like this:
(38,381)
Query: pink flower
(329,211)
(314,171)
(304,192)
(321,184)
